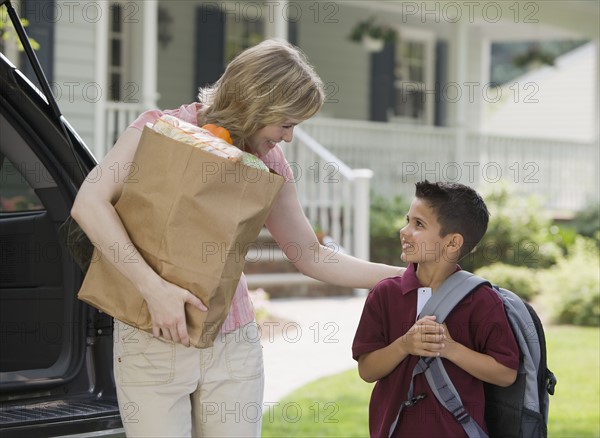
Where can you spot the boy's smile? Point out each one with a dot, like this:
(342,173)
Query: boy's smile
(420,237)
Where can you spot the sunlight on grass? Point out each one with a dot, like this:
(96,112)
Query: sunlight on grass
(337,406)
(574,356)
(330,407)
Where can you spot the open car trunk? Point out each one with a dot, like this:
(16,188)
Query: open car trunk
(55,351)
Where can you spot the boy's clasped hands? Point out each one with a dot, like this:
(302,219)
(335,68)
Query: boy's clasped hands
(427,338)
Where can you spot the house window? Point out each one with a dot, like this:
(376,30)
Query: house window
(119,35)
(242,31)
(414,78)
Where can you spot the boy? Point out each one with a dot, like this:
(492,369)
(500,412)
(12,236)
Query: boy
(444,223)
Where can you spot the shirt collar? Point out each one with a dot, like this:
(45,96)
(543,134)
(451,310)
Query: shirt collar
(410,282)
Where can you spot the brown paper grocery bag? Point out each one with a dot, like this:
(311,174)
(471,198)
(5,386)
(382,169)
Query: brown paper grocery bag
(192,216)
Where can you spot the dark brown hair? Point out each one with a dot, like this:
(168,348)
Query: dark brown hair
(458,208)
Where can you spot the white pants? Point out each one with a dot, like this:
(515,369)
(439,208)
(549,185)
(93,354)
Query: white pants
(168,390)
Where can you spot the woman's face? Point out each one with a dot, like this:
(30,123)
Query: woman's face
(265,139)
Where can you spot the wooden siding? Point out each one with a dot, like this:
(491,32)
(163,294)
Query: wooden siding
(343,65)
(175,81)
(75,84)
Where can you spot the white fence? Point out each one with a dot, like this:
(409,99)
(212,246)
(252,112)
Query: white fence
(563,173)
(334,196)
(117,117)
(332,161)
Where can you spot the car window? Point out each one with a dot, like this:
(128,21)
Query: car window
(16,195)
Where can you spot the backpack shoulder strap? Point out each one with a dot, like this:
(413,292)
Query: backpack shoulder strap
(450,293)
(445,392)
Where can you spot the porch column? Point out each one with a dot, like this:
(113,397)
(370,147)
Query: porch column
(362,208)
(276,25)
(100,146)
(597,112)
(149,55)
(597,88)
(462,58)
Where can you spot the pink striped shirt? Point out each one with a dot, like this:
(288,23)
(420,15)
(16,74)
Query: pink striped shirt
(241,311)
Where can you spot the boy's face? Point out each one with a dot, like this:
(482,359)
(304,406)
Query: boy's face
(420,238)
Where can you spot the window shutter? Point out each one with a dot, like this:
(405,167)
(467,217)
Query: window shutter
(210,40)
(382,83)
(441,77)
(293,32)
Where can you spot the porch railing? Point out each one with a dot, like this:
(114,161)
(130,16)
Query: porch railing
(117,117)
(330,159)
(335,197)
(563,173)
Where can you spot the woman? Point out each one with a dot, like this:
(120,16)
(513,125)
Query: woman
(164,387)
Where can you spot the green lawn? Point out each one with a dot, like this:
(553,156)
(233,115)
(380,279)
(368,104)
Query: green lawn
(337,406)
(574,356)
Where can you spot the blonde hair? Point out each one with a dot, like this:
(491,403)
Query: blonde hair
(264,85)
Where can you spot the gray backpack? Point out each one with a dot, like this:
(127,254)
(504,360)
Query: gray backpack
(520,410)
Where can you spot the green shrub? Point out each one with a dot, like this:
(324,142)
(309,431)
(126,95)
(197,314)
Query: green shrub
(518,232)
(564,236)
(571,289)
(386,219)
(587,222)
(519,279)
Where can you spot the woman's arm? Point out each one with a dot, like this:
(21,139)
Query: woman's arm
(479,365)
(94,211)
(295,236)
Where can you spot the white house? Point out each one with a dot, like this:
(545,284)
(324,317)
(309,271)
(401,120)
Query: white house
(421,107)
(558,102)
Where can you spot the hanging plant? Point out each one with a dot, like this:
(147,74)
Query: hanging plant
(533,57)
(372,35)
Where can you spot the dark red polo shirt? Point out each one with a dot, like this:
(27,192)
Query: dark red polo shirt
(478,322)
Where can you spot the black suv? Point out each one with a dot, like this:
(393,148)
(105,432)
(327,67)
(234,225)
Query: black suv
(55,352)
